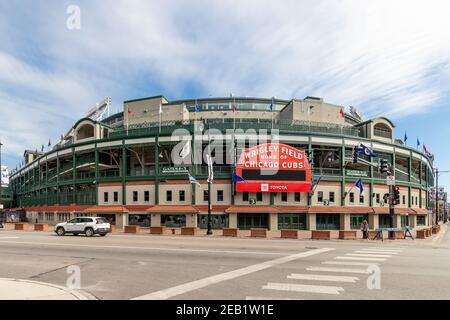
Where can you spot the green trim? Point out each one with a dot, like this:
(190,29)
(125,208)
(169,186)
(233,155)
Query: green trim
(124,173)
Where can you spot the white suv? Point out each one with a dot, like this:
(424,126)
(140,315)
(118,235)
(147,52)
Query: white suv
(86,225)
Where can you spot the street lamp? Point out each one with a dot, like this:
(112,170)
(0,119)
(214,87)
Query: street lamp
(1,173)
(210,176)
(437,193)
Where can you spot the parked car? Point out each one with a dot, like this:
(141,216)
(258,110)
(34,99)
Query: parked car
(84,225)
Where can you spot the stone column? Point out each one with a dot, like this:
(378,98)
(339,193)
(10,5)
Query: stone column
(155,220)
(311,221)
(232,220)
(121,220)
(191,220)
(412,220)
(345,221)
(373,221)
(273,221)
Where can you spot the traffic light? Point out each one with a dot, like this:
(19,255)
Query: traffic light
(355,154)
(383,166)
(310,157)
(397,195)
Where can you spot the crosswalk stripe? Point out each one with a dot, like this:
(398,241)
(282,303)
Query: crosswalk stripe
(369,255)
(360,258)
(389,248)
(302,288)
(376,252)
(350,263)
(384,250)
(269,298)
(321,277)
(344,270)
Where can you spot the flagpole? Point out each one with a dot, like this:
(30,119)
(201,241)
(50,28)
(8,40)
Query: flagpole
(127,119)
(272,106)
(160,116)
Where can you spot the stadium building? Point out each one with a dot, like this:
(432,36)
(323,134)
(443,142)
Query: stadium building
(121,168)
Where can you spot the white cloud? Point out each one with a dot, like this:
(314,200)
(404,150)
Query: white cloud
(386,57)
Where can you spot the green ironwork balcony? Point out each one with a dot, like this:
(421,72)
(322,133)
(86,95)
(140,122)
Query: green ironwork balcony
(148,171)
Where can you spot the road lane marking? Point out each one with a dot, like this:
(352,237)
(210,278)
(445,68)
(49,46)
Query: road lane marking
(350,263)
(1,238)
(321,277)
(302,288)
(148,248)
(388,248)
(368,255)
(201,283)
(343,270)
(376,252)
(360,258)
(269,298)
(382,250)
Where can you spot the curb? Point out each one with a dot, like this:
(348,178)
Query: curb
(77,294)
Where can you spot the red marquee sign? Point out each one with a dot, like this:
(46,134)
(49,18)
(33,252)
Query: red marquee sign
(273,167)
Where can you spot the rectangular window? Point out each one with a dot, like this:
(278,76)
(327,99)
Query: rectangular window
(417,201)
(146,196)
(135,196)
(331,197)
(377,197)
(105,197)
(361,199)
(219,195)
(356,220)
(296,221)
(352,197)
(205,195)
(284,196)
(259,196)
(420,220)
(182,195)
(403,199)
(327,221)
(320,196)
(245,196)
(116,196)
(384,221)
(169,195)
(297,197)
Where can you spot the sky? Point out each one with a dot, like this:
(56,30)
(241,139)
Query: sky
(386,58)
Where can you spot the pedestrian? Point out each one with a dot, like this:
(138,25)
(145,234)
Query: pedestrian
(365,229)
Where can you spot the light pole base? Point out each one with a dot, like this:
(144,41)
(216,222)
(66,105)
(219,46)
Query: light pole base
(209,232)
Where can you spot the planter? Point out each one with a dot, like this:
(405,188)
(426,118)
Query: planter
(132,229)
(435,229)
(320,235)
(41,227)
(230,232)
(189,231)
(21,226)
(113,228)
(258,233)
(421,234)
(289,234)
(429,232)
(157,230)
(396,235)
(347,235)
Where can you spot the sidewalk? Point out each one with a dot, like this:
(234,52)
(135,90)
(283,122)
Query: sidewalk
(16,289)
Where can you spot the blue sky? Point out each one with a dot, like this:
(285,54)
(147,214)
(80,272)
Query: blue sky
(388,58)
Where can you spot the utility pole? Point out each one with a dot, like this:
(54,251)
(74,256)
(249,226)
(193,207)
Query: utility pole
(436,221)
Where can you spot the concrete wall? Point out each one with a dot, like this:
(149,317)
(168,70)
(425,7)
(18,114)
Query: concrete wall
(110,190)
(141,191)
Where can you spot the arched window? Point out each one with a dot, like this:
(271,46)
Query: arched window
(382,130)
(85,131)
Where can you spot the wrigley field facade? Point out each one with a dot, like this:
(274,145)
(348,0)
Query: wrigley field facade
(122,168)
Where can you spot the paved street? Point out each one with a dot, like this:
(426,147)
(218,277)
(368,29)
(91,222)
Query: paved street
(124,266)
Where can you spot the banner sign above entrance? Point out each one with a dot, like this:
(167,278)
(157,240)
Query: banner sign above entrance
(273,167)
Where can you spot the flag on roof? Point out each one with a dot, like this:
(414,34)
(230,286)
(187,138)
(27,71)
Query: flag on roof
(342,112)
(359,185)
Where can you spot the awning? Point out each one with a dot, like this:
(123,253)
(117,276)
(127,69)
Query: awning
(292,209)
(107,209)
(421,211)
(172,209)
(252,209)
(385,210)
